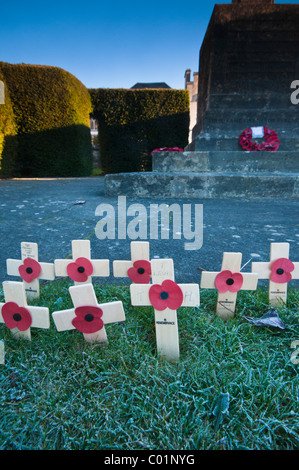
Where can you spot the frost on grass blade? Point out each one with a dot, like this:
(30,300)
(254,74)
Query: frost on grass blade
(221,408)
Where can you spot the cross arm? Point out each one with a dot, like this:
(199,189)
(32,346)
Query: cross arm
(63,319)
(140,294)
(262,269)
(40,317)
(120,268)
(113,312)
(191,295)
(208,280)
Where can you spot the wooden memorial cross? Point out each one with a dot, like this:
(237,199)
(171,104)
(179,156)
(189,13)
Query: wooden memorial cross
(81,268)
(279,270)
(228,282)
(138,269)
(166,297)
(30,269)
(16,314)
(88,316)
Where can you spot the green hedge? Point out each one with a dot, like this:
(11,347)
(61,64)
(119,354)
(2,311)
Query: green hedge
(8,140)
(51,113)
(134,122)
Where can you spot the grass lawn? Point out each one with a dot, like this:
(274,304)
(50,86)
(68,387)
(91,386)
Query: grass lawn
(59,392)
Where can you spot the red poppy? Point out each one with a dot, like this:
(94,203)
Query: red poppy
(16,317)
(29,270)
(281,270)
(166,295)
(140,273)
(228,281)
(88,319)
(80,269)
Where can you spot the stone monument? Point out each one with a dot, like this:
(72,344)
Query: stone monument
(248,60)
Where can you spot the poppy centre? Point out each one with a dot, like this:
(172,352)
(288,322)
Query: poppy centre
(29,270)
(81,269)
(140,270)
(164,295)
(17,317)
(279,271)
(89,317)
(230,281)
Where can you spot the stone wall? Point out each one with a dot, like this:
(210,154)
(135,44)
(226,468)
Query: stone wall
(248,59)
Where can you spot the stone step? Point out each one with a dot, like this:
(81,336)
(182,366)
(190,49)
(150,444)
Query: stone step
(205,185)
(219,161)
(215,141)
(244,117)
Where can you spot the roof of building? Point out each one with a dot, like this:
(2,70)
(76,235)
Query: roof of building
(150,85)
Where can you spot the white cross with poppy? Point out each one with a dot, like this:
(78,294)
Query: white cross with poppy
(166,297)
(138,269)
(81,268)
(229,281)
(17,315)
(30,269)
(88,316)
(279,270)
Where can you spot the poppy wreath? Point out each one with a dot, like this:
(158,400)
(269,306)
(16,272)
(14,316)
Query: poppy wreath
(140,273)
(168,149)
(270,144)
(166,295)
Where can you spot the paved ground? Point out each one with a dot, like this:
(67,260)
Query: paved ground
(45,211)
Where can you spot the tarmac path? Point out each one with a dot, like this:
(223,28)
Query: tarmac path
(53,212)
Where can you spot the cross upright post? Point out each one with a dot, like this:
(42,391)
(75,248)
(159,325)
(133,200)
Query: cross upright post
(166,297)
(30,269)
(228,282)
(138,268)
(279,270)
(81,268)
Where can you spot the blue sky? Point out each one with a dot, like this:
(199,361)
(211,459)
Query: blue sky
(108,44)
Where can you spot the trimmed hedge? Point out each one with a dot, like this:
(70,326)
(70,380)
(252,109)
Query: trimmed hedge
(131,123)
(51,113)
(8,141)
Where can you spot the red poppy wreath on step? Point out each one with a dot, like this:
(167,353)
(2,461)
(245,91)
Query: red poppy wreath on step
(166,295)
(168,149)
(270,143)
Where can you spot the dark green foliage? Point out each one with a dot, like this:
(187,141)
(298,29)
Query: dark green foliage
(8,141)
(51,113)
(134,122)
